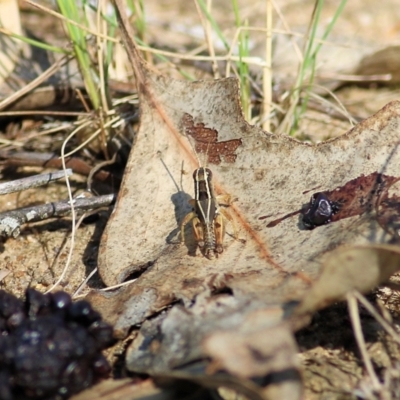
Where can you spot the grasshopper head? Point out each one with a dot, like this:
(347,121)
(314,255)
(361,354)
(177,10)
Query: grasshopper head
(202,174)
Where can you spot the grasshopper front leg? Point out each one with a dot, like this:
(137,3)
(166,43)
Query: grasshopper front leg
(219,231)
(185,221)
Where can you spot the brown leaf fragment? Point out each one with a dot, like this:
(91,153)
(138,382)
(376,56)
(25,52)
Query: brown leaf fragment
(249,347)
(389,215)
(360,268)
(267,353)
(360,195)
(354,198)
(388,211)
(206,142)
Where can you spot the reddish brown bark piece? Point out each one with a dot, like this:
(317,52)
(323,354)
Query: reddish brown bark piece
(361,194)
(206,142)
(356,197)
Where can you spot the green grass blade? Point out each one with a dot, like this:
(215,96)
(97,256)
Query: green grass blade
(243,47)
(36,43)
(90,77)
(310,58)
(214,24)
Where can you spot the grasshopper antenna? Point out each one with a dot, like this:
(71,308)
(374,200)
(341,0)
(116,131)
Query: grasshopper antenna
(206,156)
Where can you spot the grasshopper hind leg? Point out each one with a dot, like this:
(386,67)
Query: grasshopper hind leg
(185,221)
(219,229)
(198,232)
(197,229)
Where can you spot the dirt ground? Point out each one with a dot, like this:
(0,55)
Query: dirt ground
(332,368)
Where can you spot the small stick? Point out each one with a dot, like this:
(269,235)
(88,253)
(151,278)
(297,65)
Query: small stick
(32,181)
(11,221)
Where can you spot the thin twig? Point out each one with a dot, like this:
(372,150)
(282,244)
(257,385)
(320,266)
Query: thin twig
(338,106)
(96,168)
(11,221)
(93,136)
(32,181)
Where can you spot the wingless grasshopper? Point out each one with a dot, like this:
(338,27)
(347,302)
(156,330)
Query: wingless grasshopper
(208,217)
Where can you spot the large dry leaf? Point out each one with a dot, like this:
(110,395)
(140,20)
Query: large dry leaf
(272,177)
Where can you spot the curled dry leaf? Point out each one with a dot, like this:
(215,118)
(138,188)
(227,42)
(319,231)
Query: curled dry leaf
(358,268)
(254,351)
(252,354)
(184,330)
(248,348)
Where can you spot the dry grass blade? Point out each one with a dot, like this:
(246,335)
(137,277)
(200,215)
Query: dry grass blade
(267,72)
(357,329)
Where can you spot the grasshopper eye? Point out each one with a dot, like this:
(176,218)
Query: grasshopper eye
(208,173)
(198,174)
